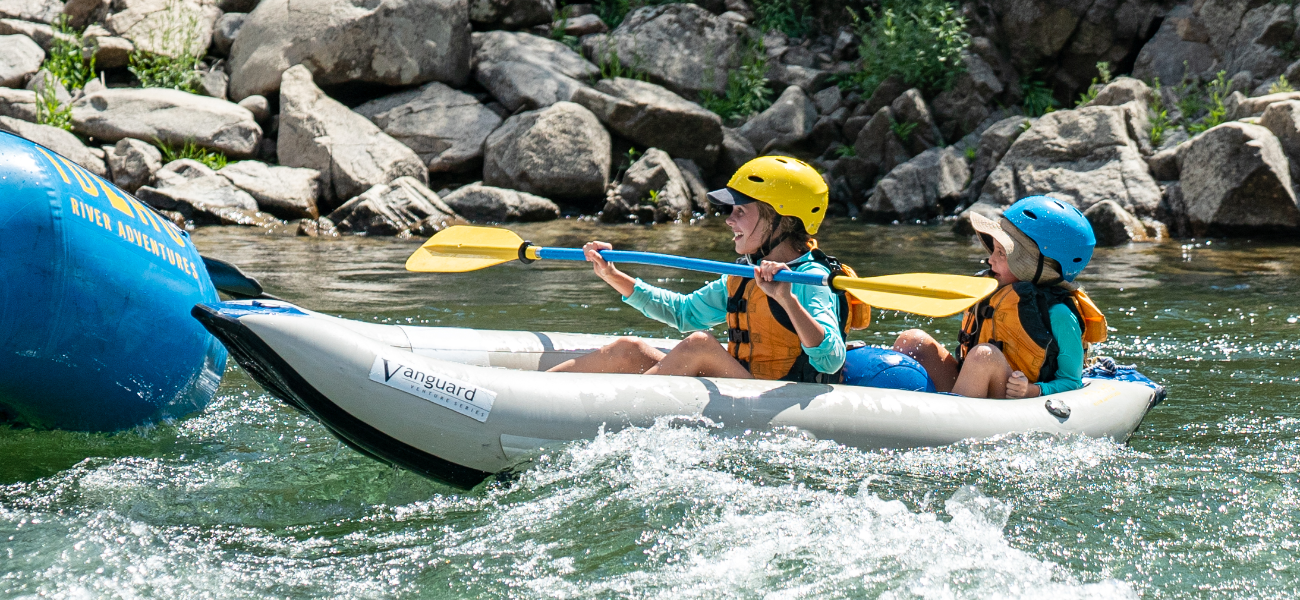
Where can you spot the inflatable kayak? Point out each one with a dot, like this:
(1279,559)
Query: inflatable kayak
(95,294)
(460,404)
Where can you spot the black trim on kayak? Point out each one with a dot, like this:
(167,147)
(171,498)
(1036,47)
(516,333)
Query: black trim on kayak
(270,371)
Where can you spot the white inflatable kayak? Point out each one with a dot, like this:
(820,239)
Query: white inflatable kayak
(460,404)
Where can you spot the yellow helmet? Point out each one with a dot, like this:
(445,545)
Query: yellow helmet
(789,185)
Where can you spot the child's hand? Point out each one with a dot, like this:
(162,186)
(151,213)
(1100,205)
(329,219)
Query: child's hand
(598,264)
(776,290)
(1018,386)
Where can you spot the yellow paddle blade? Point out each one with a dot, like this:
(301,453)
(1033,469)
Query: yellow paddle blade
(926,294)
(462,248)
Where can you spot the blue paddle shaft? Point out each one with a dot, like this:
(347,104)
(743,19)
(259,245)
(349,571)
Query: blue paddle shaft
(680,262)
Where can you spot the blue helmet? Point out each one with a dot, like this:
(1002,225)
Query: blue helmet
(1062,232)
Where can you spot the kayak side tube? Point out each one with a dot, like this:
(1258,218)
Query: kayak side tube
(458,404)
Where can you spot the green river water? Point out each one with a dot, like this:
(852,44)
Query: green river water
(252,499)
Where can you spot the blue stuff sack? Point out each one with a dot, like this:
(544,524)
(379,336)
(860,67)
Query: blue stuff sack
(869,366)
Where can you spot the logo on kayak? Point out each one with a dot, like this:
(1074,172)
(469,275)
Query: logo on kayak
(471,401)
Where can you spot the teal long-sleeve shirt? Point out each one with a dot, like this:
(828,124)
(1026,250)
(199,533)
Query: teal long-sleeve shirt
(707,306)
(1069,358)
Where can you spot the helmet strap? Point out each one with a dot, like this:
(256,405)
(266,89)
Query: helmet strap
(1038,272)
(771,243)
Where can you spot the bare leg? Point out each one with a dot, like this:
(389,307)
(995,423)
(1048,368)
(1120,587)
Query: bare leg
(623,355)
(984,373)
(937,361)
(699,355)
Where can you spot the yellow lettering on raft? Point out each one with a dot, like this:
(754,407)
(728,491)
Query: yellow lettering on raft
(114,199)
(56,165)
(83,177)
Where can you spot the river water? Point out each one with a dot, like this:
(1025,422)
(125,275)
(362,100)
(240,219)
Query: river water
(252,499)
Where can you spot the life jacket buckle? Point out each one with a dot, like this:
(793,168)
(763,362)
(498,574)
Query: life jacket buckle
(737,305)
(738,336)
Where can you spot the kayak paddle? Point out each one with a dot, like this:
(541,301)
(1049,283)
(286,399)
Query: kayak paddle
(462,248)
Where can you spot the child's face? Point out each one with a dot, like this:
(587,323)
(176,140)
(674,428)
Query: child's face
(998,264)
(747,227)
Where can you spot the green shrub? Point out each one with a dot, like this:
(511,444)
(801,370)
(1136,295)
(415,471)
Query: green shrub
(902,130)
(49,111)
(789,16)
(65,60)
(558,34)
(846,151)
(920,41)
(1281,86)
(1159,115)
(747,92)
(213,159)
(1103,68)
(175,64)
(970,153)
(1038,98)
(1216,113)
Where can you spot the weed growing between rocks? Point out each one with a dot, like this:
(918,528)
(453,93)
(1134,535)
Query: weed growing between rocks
(49,111)
(1216,113)
(1159,115)
(1038,98)
(175,63)
(1281,86)
(612,67)
(211,158)
(747,92)
(920,41)
(846,151)
(1103,70)
(792,17)
(902,130)
(558,34)
(65,60)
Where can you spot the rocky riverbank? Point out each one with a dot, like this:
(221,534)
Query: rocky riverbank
(398,117)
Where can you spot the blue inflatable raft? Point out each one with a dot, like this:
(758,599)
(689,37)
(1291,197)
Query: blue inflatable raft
(95,294)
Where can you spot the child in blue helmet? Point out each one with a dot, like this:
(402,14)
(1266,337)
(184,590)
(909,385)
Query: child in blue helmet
(1027,339)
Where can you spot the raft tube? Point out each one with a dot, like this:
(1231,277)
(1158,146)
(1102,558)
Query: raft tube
(460,404)
(95,294)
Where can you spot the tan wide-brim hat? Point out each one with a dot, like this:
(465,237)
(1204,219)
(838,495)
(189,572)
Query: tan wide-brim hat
(1022,251)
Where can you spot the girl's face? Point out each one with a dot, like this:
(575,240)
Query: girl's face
(748,227)
(998,264)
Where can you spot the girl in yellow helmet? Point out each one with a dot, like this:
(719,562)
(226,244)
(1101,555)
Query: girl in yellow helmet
(775,330)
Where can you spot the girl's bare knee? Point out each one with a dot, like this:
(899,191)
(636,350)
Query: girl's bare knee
(912,340)
(700,338)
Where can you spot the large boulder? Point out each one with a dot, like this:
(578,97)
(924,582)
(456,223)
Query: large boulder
(652,116)
(913,116)
(510,14)
(389,42)
(1122,91)
(286,192)
(652,190)
(993,145)
(878,146)
(486,204)
(19,104)
(736,151)
(59,141)
(560,152)
(680,46)
(1249,107)
(110,51)
(963,106)
(1180,47)
(173,117)
(205,199)
(1114,226)
(132,163)
(1283,120)
(392,209)
(445,127)
(1083,156)
(922,188)
(1219,35)
(172,28)
(20,58)
(784,125)
(525,71)
(1235,181)
(84,12)
(351,153)
(40,11)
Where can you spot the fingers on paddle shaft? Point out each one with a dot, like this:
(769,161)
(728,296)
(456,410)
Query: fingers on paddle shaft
(462,248)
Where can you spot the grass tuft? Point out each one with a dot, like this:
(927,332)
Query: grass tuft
(211,158)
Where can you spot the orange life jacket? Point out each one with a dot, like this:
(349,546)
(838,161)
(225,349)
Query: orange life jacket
(762,338)
(1015,319)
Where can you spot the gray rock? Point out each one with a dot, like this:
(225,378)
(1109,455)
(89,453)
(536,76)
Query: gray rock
(214,82)
(878,145)
(110,51)
(694,177)
(1283,120)
(581,25)
(20,58)
(525,71)
(560,152)
(884,95)
(170,116)
(40,11)
(391,209)
(1250,107)
(652,116)
(1083,156)
(44,78)
(19,104)
(736,151)
(921,188)
(286,192)
(1179,47)
(181,170)
(59,141)
(42,34)
(683,47)
(1164,164)
(910,107)
(784,125)
(352,154)
(237,6)
(389,42)
(510,14)
(653,189)
(225,31)
(485,204)
(993,145)
(962,107)
(84,12)
(171,28)
(132,163)
(207,200)
(1122,91)
(259,106)
(1235,181)
(1114,226)
(828,100)
(808,79)
(446,128)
